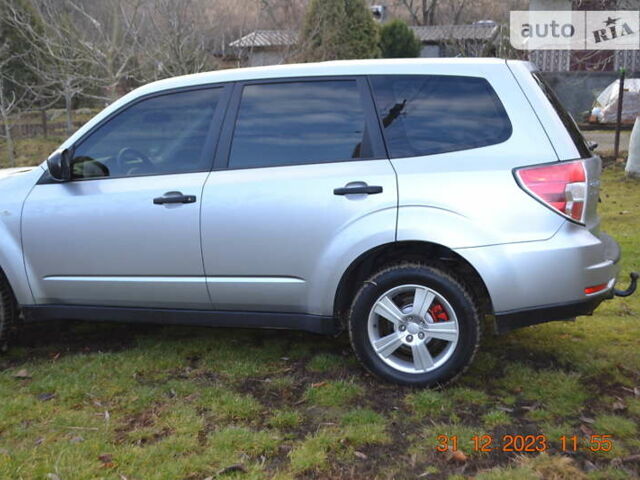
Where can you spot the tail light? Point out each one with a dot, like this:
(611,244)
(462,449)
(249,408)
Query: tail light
(595,289)
(560,186)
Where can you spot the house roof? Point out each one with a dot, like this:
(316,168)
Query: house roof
(266,38)
(441,33)
(427,34)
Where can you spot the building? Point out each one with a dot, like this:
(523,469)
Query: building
(266,47)
(473,40)
(272,47)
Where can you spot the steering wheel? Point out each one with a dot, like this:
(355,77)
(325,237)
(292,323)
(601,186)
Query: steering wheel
(130,160)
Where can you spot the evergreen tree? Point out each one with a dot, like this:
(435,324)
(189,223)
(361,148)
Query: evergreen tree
(338,30)
(11,45)
(362,34)
(397,40)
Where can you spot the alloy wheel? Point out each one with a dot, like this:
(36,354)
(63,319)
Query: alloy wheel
(413,329)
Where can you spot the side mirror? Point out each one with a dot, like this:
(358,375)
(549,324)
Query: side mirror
(59,164)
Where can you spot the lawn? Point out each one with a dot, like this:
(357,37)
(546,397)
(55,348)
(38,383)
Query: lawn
(80,401)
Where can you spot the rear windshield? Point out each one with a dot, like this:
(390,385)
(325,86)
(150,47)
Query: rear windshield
(565,117)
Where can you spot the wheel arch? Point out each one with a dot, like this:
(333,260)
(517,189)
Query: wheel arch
(383,255)
(8,306)
(13,267)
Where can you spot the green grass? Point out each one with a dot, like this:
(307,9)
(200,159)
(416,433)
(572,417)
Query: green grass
(358,428)
(537,467)
(325,362)
(228,405)
(186,403)
(468,397)
(312,453)
(285,419)
(495,418)
(633,406)
(430,403)
(363,426)
(557,393)
(619,427)
(333,394)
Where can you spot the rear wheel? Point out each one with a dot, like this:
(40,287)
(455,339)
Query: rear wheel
(8,312)
(414,325)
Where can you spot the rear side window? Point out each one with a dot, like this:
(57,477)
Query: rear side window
(429,114)
(566,118)
(293,123)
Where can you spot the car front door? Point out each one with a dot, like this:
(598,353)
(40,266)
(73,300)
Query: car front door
(125,231)
(300,173)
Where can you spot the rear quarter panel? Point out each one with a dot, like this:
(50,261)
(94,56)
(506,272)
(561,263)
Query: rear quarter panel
(470,198)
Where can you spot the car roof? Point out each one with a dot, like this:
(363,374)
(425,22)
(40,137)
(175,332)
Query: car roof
(340,67)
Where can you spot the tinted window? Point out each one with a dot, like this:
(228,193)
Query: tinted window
(299,122)
(567,120)
(159,135)
(430,114)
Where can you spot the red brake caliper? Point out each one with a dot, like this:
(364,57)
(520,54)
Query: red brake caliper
(438,313)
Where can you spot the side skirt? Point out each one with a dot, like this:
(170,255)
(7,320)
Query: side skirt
(205,318)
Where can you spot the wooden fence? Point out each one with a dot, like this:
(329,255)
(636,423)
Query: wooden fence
(31,130)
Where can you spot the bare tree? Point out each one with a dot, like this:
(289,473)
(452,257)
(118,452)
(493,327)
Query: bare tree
(8,103)
(74,52)
(107,39)
(421,12)
(54,58)
(454,12)
(12,101)
(282,14)
(175,38)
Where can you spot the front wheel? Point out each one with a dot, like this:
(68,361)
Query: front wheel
(414,325)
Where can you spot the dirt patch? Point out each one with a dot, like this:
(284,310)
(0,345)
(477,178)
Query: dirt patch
(144,420)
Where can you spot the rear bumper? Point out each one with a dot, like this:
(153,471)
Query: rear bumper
(537,282)
(507,321)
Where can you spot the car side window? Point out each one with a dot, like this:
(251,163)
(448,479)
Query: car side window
(430,114)
(158,135)
(303,122)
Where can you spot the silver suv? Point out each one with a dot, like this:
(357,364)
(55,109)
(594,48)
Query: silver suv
(402,200)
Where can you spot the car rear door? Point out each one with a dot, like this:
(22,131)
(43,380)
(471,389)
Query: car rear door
(300,162)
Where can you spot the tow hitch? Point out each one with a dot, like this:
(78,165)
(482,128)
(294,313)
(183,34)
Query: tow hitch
(630,289)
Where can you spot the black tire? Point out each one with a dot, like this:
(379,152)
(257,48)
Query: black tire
(456,295)
(8,312)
